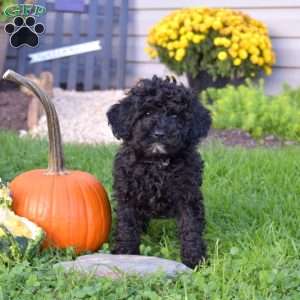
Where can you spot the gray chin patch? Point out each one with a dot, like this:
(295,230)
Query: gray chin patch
(157,148)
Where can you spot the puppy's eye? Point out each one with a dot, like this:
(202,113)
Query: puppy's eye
(148,113)
(174,116)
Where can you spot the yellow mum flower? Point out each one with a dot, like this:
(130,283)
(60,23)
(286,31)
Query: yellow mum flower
(268,70)
(217,41)
(170,46)
(176,44)
(217,25)
(197,19)
(189,28)
(208,22)
(262,46)
(234,46)
(203,27)
(235,38)
(196,27)
(260,61)
(182,30)
(239,37)
(180,53)
(222,55)
(189,36)
(253,50)
(237,62)
(173,35)
(183,43)
(198,38)
(232,53)
(151,39)
(243,54)
(254,41)
(254,59)
(244,44)
(151,52)
(175,24)
(267,56)
(184,38)
(226,42)
(187,23)
(226,31)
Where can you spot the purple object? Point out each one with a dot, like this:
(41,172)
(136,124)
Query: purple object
(69,5)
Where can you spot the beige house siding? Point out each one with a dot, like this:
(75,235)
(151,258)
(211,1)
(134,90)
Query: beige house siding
(282,18)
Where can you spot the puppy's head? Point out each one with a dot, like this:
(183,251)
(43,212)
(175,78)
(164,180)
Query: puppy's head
(159,117)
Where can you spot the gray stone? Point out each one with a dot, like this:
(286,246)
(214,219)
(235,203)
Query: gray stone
(114,266)
(289,143)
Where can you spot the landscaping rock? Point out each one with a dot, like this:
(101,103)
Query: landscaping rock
(115,266)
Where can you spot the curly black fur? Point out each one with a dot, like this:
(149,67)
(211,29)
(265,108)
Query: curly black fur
(157,171)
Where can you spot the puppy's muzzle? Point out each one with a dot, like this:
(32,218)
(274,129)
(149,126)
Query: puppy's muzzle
(158,148)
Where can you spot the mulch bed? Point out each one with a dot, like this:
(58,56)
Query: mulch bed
(13,107)
(237,137)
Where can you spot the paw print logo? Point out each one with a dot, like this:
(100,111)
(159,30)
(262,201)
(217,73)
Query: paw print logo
(24,32)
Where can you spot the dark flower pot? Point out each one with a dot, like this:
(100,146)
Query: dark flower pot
(203,81)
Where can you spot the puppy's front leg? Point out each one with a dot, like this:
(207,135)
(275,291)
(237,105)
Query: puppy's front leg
(127,238)
(191,223)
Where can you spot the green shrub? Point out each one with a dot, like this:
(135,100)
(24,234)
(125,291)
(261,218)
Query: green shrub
(247,107)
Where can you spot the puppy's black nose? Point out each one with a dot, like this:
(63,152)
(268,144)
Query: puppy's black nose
(158,133)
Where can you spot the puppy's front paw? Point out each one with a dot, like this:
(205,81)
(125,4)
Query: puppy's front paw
(193,254)
(193,262)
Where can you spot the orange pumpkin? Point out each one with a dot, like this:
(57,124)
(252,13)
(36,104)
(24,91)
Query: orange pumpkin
(71,206)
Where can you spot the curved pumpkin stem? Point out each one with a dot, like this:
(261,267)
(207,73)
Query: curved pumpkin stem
(55,156)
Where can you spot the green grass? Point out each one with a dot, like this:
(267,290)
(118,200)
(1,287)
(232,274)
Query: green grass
(252,202)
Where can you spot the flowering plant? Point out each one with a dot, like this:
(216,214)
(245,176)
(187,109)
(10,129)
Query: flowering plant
(5,198)
(223,42)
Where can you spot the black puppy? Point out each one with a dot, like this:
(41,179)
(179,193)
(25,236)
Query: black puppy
(158,171)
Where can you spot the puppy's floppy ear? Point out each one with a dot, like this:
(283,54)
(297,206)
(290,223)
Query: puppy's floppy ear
(201,121)
(118,119)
